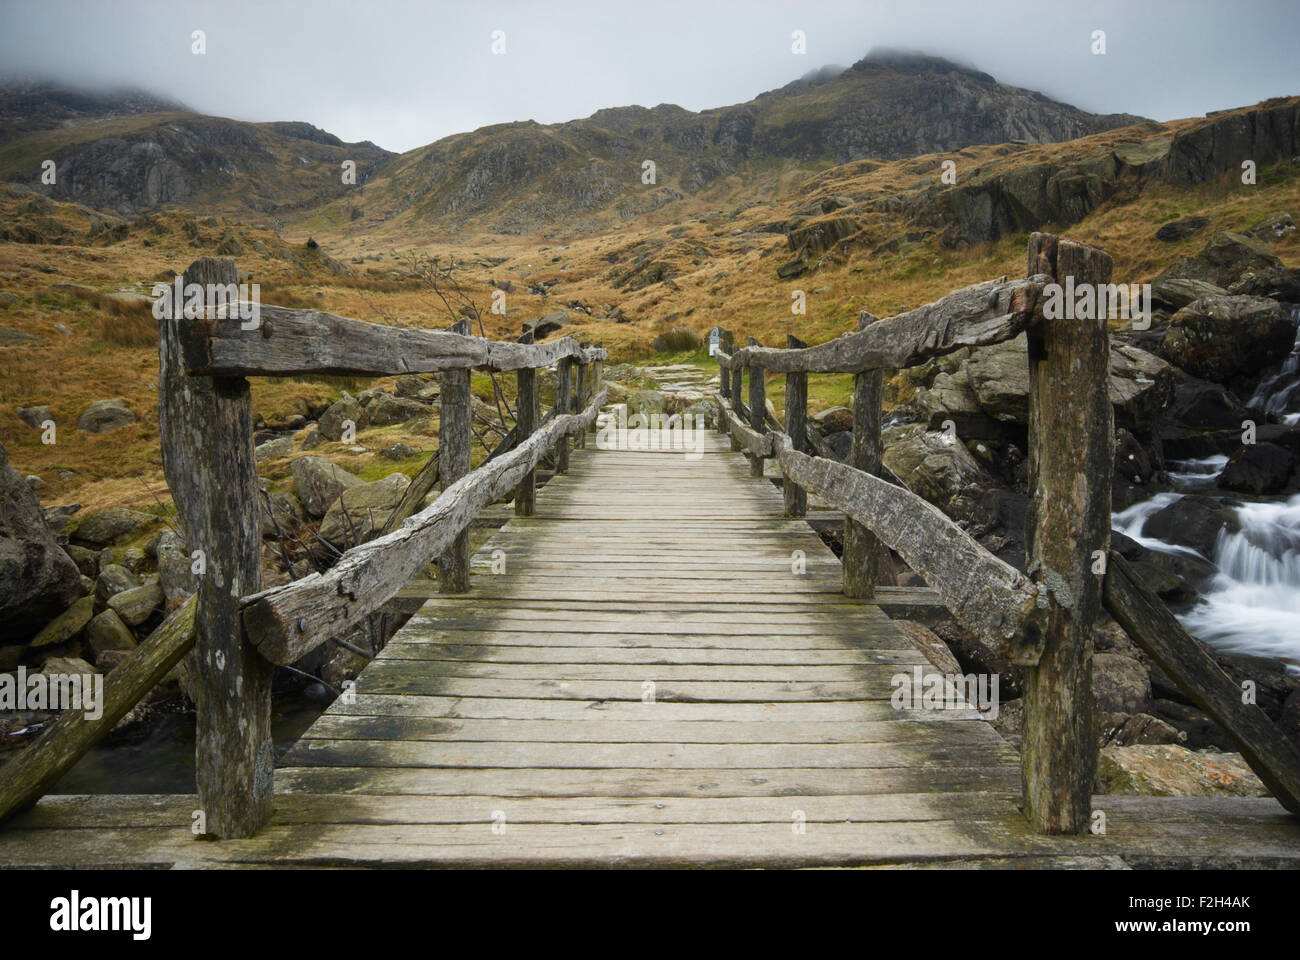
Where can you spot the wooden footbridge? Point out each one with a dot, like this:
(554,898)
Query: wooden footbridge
(655,661)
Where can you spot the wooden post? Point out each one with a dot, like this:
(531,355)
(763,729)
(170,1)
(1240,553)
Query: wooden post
(563,405)
(597,380)
(757,408)
(796,420)
(1071,441)
(205,426)
(861,547)
(580,393)
(454,440)
(525,424)
(737,374)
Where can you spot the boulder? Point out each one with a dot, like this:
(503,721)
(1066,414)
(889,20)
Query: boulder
(387,409)
(398,451)
(833,420)
(1194,522)
(279,447)
(175,564)
(1171,770)
(286,510)
(111,525)
(67,624)
(1202,405)
(819,236)
(1258,468)
(1181,229)
(360,512)
(344,409)
(1277,283)
(1127,729)
(38,579)
(107,632)
(34,416)
(1224,259)
(58,517)
(105,416)
(647,402)
(1141,385)
(318,483)
(1272,227)
(1174,293)
(136,605)
(87,560)
(1219,338)
(66,666)
(1120,684)
(548,324)
(936,469)
(112,580)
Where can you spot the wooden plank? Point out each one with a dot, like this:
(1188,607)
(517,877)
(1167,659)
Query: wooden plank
(286,622)
(205,427)
(412,648)
(633,672)
(30,774)
(373,680)
(292,342)
(650,756)
(1071,459)
(978,315)
(1149,623)
(340,727)
(600,712)
(632,783)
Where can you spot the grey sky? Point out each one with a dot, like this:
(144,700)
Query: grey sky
(403,73)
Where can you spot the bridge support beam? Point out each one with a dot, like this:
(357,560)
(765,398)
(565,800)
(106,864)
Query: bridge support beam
(1071,456)
(525,424)
(796,425)
(861,547)
(205,425)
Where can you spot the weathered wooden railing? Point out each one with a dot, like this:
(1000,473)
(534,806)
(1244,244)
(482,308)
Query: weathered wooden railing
(1044,621)
(238,632)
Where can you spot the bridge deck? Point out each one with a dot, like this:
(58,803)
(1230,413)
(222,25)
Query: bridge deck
(649,683)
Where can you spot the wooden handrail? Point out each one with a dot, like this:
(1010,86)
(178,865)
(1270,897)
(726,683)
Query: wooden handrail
(979,315)
(286,622)
(291,342)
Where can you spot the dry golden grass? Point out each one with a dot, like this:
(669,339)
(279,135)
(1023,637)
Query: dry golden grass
(718,279)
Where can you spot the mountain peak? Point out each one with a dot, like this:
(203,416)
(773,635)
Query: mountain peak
(914,62)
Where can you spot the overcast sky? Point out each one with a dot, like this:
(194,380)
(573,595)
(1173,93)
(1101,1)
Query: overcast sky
(404,73)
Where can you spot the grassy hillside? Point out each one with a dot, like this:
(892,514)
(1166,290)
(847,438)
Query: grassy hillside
(75,279)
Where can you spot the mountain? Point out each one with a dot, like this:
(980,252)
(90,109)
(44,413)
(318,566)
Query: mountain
(129,153)
(586,175)
(30,105)
(580,176)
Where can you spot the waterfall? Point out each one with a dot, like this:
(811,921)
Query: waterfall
(1282,390)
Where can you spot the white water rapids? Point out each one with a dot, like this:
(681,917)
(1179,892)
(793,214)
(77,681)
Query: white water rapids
(1252,605)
